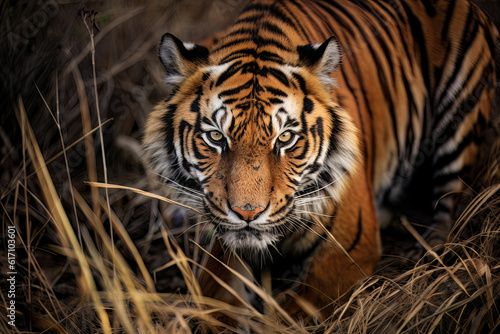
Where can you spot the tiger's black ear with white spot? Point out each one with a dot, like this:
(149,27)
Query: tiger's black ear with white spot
(180,59)
(322,59)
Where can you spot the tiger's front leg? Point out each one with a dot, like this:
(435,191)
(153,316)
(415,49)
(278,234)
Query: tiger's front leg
(219,281)
(329,274)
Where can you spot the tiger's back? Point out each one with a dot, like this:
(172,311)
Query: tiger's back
(424,114)
(288,149)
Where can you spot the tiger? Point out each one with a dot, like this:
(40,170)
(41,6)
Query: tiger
(306,126)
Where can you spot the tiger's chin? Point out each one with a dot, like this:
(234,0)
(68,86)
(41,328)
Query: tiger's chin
(249,240)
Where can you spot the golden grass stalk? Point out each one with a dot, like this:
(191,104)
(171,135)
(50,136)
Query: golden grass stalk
(118,262)
(56,210)
(144,193)
(430,251)
(89,142)
(90,24)
(73,144)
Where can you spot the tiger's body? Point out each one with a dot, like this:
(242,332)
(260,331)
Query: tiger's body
(285,148)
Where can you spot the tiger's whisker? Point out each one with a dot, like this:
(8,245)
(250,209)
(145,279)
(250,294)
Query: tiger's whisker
(326,186)
(194,192)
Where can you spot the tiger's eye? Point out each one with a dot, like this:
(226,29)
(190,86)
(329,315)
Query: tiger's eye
(215,135)
(285,137)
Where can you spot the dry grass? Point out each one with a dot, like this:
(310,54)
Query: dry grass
(96,253)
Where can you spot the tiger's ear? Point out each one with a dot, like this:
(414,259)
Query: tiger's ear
(180,59)
(321,59)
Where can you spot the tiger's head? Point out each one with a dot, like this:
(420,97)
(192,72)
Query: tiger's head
(253,137)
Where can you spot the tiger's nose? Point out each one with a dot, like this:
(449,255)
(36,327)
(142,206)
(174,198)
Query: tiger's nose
(247,212)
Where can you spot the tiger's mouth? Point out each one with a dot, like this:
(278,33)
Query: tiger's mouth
(251,231)
(254,236)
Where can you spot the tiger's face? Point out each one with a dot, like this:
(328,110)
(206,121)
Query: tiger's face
(251,139)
